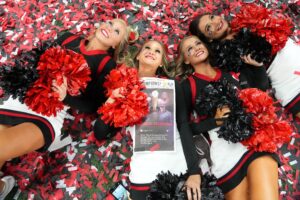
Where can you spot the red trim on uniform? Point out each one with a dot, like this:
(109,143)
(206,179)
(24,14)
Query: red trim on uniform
(206,78)
(91,52)
(236,76)
(102,64)
(31,117)
(69,39)
(193,89)
(291,104)
(236,169)
(140,188)
(196,119)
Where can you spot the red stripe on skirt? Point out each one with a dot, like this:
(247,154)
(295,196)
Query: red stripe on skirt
(31,117)
(229,176)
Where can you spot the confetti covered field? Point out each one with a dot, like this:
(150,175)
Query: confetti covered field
(88,169)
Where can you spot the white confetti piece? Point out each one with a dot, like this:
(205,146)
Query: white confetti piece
(287,154)
(122,9)
(70,190)
(102,149)
(61,183)
(293,162)
(292,141)
(82,145)
(72,168)
(116,143)
(94,168)
(280,183)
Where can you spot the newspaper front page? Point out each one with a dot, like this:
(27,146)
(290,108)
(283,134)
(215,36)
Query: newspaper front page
(157,132)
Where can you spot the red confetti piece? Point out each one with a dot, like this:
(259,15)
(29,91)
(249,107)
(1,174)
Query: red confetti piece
(297,72)
(155,147)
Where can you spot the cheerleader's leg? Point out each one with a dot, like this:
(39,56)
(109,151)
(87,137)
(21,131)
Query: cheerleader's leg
(2,127)
(16,141)
(262,178)
(19,140)
(240,192)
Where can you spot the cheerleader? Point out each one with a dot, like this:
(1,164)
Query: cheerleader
(145,166)
(23,130)
(269,44)
(241,173)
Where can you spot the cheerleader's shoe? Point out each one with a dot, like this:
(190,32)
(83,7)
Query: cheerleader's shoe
(9,183)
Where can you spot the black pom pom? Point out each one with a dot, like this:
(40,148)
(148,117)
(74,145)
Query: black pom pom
(170,186)
(238,126)
(209,188)
(227,53)
(16,79)
(165,186)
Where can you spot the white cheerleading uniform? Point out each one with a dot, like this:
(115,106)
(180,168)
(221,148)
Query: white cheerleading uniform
(284,72)
(13,112)
(145,166)
(224,154)
(230,161)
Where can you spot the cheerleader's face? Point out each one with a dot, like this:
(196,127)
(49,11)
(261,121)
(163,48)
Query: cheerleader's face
(111,33)
(194,51)
(151,54)
(213,26)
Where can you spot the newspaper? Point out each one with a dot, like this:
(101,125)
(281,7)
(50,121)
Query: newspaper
(157,132)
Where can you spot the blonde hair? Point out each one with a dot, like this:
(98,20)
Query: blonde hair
(182,69)
(119,53)
(132,60)
(119,50)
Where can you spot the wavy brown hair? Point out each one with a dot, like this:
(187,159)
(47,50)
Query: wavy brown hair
(183,70)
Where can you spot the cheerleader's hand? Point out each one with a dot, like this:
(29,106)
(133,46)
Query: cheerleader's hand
(222,113)
(248,60)
(192,186)
(60,89)
(115,94)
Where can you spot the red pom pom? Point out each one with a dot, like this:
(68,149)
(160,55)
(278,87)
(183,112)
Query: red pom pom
(41,99)
(133,107)
(275,27)
(269,129)
(55,64)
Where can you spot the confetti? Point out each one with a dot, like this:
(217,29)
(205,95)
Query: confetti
(25,24)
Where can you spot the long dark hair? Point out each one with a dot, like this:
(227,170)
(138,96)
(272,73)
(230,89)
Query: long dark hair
(194,29)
